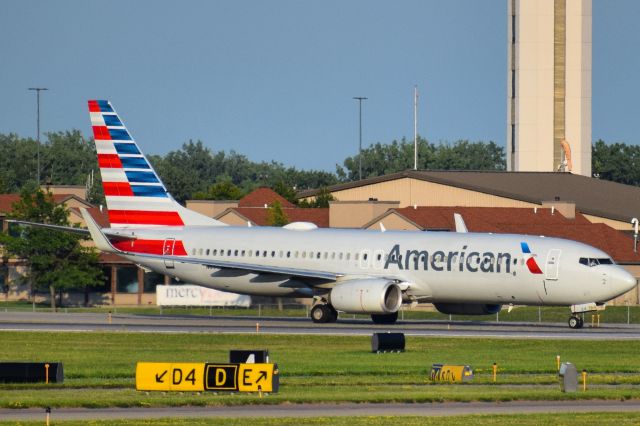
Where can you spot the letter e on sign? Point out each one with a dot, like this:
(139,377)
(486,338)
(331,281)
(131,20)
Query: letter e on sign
(256,377)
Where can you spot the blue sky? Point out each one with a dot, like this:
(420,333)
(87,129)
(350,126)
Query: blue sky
(274,80)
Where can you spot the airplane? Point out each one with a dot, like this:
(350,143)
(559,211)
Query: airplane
(346,270)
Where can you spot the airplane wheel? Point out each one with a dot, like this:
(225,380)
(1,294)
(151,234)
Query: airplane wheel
(321,313)
(575,322)
(333,317)
(384,318)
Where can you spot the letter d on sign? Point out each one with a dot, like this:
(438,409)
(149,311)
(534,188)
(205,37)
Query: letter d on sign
(221,377)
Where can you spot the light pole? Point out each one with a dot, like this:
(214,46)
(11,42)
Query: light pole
(360,99)
(38,90)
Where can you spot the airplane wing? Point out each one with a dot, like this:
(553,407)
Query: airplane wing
(221,264)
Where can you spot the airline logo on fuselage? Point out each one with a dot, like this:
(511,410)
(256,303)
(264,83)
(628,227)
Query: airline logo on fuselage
(531,261)
(449,261)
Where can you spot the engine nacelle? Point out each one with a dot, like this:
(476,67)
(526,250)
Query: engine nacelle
(367,296)
(467,308)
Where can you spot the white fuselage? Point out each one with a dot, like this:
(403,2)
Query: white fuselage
(436,266)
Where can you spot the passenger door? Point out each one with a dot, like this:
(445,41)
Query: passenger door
(552,266)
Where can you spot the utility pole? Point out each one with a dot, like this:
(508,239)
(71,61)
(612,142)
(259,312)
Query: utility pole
(38,90)
(415,127)
(360,99)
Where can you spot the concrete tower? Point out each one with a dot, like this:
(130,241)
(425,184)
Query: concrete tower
(549,85)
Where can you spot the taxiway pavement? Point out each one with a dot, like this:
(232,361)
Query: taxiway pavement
(41,321)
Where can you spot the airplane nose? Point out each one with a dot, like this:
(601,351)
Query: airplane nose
(624,281)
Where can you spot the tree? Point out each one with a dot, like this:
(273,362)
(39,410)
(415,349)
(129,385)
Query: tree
(275,215)
(321,199)
(56,260)
(220,191)
(286,191)
(617,162)
(381,159)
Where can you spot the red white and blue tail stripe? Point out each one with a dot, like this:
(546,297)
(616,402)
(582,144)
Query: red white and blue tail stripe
(135,195)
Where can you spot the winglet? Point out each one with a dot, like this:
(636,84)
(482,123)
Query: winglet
(460,225)
(101,242)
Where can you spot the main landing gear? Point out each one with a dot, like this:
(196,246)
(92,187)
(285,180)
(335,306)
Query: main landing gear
(576,322)
(323,313)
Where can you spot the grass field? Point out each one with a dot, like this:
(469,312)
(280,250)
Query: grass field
(524,420)
(100,368)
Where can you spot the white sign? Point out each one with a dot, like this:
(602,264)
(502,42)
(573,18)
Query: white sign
(193,295)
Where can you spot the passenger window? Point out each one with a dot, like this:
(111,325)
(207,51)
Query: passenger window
(288,254)
(215,252)
(340,255)
(348,256)
(207,252)
(199,252)
(357,256)
(228,252)
(318,255)
(243,253)
(264,253)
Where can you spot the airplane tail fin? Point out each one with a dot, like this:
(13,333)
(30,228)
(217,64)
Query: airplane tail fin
(135,195)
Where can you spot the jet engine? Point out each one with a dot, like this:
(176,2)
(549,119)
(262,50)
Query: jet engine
(467,308)
(370,296)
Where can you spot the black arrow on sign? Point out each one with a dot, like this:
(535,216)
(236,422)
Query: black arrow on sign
(262,376)
(159,378)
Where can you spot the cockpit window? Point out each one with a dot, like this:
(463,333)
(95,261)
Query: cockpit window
(592,261)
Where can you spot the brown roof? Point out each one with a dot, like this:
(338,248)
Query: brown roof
(320,217)
(8,200)
(101,217)
(525,221)
(592,196)
(262,196)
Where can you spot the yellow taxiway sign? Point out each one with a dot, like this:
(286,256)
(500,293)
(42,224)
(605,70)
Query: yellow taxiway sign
(164,376)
